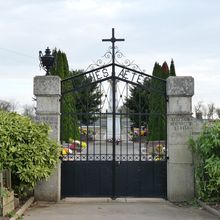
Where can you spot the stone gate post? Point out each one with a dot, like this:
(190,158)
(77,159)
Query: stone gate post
(47,90)
(180,174)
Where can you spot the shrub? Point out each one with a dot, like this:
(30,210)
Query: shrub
(207,163)
(26,149)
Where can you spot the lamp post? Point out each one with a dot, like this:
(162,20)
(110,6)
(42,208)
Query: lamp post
(46,61)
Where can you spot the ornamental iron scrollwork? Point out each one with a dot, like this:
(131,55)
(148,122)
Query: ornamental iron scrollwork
(119,58)
(105,60)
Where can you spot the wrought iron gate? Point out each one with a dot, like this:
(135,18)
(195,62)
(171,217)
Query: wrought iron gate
(113,130)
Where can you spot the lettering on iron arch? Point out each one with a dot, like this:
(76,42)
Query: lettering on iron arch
(100,74)
(120,73)
(130,76)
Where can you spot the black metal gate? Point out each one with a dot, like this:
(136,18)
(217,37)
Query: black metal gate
(113,130)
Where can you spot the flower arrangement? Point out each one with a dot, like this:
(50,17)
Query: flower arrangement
(73,146)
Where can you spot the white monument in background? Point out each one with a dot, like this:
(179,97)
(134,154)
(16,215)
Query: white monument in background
(109,129)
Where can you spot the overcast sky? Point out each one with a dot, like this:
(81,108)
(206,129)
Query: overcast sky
(154,30)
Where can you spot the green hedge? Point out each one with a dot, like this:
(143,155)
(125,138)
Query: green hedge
(26,149)
(207,162)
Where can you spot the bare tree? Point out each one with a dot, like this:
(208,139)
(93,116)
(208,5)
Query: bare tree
(217,110)
(198,110)
(198,107)
(29,111)
(7,106)
(211,110)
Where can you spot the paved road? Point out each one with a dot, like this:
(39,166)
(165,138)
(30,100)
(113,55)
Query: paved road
(118,210)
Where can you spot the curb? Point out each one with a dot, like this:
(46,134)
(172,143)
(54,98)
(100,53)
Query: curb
(208,208)
(21,211)
(109,200)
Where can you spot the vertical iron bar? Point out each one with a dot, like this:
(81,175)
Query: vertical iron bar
(113,40)
(81,139)
(133,134)
(61,118)
(139,122)
(165,118)
(121,152)
(152,140)
(87,142)
(166,102)
(127,118)
(61,115)
(71,115)
(106,141)
(100,125)
(113,108)
(94,142)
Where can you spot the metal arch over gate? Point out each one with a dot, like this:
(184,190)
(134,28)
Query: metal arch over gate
(120,151)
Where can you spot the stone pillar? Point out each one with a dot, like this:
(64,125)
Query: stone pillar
(47,90)
(180,172)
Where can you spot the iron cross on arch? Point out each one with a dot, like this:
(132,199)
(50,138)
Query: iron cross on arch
(113,40)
